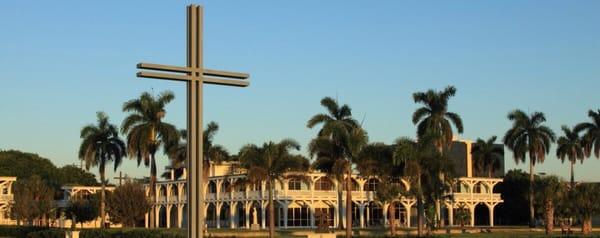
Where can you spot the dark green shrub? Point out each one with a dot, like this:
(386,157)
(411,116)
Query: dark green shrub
(51,233)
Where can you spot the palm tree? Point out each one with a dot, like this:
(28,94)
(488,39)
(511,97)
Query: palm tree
(550,191)
(487,155)
(377,159)
(330,160)
(272,162)
(528,135)
(337,125)
(570,146)
(146,132)
(101,145)
(587,200)
(212,153)
(592,133)
(434,118)
(414,156)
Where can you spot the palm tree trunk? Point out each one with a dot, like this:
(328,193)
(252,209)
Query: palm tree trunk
(490,172)
(572,175)
(102,198)
(586,225)
(271,211)
(549,216)
(420,216)
(531,193)
(392,215)
(152,190)
(349,203)
(340,211)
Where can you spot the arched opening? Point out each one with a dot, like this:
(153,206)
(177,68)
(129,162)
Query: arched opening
(399,214)
(173,217)
(482,215)
(374,214)
(298,216)
(371,185)
(211,215)
(184,216)
(162,191)
(225,187)
(212,187)
(240,215)
(326,214)
(224,215)
(478,188)
(324,184)
(174,192)
(162,216)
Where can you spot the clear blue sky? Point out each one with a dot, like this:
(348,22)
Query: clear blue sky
(60,62)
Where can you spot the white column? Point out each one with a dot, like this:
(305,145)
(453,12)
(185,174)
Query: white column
(285,215)
(232,216)
(263,216)
(408,214)
(218,212)
(491,215)
(146,220)
(168,211)
(368,216)
(361,208)
(472,214)
(451,216)
(385,214)
(312,216)
(157,216)
(335,216)
(247,214)
(180,215)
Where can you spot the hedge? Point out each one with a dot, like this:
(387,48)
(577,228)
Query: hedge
(133,233)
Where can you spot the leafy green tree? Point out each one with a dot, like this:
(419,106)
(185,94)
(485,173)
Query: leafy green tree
(592,133)
(528,135)
(33,200)
(487,155)
(337,124)
(101,145)
(128,204)
(550,191)
(146,131)
(434,119)
(586,204)
(570,146)
(271,162)
(81,210)
(377,159)
(514,191)
(71,174)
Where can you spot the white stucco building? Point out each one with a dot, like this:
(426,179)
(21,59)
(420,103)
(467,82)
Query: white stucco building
(230,205)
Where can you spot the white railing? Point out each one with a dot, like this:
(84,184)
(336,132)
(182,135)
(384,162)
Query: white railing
(239,195)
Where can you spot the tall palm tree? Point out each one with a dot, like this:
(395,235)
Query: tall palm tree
(570,146)
(528,135)
(101,145)
(271,162)
(146,132)
(337,124)
(329,159)
(592,133)
(487,155)
(434,118)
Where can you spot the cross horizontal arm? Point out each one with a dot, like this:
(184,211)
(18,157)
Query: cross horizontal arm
(206,72)
(207,80)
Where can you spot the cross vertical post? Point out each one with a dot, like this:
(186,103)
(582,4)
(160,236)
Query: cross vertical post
(195,77)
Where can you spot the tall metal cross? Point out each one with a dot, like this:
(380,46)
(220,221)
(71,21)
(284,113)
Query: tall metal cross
(121,178)
(195,75)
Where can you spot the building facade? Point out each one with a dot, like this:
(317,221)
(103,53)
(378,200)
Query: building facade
(6,198)
(230,204)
